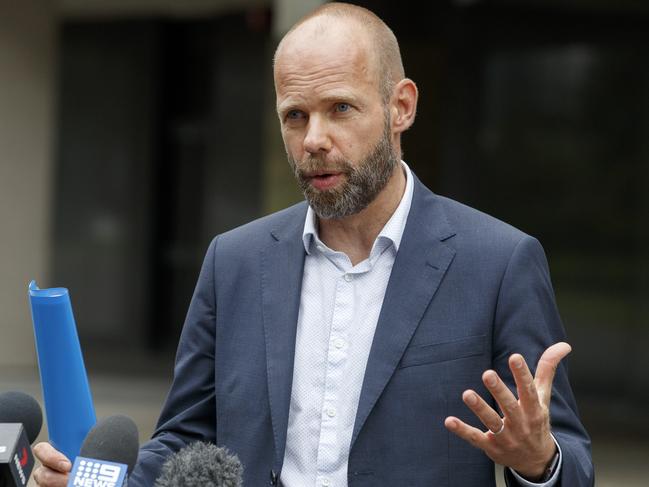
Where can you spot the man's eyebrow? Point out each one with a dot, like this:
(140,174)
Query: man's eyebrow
(340,96)
(288,106)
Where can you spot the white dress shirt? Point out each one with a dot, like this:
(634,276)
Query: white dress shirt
(339,309)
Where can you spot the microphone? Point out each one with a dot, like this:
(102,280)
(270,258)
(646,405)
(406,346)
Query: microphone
(21,419)
(107,454)
(201,464)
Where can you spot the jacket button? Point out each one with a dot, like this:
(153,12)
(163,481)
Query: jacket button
(273,478)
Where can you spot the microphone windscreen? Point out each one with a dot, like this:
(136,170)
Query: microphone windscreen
(114,439)
(18,407)
(201,464)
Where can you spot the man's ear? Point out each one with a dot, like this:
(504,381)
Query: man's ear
(403,105)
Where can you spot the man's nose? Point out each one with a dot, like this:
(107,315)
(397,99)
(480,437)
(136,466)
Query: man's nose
(317,138)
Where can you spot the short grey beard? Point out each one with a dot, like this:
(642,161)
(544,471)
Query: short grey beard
(364,181)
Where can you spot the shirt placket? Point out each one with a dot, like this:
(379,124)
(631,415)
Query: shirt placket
(329,452)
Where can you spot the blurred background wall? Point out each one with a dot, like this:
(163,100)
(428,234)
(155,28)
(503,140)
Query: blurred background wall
(29,32)
(133,131)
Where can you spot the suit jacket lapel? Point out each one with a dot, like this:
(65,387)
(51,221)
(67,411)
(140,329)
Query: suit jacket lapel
(282,264)
(420,265)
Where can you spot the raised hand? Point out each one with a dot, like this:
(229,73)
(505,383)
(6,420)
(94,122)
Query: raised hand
(521,438)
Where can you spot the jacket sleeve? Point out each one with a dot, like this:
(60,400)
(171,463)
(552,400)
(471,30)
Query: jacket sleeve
(189,412)
(527,321)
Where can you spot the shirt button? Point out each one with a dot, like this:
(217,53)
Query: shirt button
(320,248)
(326,482)
(339,343)
(349,277)
(331,412)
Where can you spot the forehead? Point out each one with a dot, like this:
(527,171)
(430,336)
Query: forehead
(321,57)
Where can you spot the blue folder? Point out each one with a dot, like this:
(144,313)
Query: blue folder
(68,402)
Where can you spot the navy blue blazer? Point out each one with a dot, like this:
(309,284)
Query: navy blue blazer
(466,291)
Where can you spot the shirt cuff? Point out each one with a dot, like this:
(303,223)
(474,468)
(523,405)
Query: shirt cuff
(553,480)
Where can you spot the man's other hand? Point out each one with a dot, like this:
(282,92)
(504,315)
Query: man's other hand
(54,468)
(521,439)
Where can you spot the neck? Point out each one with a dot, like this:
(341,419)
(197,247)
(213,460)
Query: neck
(355,234)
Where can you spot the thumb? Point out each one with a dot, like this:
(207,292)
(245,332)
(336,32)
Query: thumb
(547,367)
(52,458)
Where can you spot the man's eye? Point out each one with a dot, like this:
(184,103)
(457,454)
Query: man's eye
(343,107)
(294,115)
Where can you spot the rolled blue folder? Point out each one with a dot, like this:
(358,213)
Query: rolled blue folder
(68,402)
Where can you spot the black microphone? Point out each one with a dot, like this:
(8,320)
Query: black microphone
(21,419)
(201,464)
(107,455)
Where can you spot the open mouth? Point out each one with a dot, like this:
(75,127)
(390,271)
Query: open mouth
(323,181)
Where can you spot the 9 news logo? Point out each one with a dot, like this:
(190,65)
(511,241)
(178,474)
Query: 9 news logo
(88,472)
(20,463)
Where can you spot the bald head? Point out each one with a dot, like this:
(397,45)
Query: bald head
(363,27)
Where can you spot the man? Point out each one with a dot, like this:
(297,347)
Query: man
(378,335)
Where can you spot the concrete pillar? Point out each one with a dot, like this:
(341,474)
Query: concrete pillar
(287,12)
(27,89)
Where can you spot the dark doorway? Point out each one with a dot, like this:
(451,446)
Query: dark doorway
(159,148)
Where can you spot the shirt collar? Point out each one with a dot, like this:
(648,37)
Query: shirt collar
(392,230)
